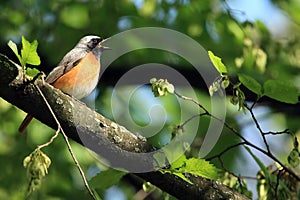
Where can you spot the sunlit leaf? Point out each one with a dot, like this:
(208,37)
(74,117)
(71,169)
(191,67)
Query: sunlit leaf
(201,167)
(180,175)
(32,72)
(217,62)
(178,163)
(196,166)
(28,53)
(14,48)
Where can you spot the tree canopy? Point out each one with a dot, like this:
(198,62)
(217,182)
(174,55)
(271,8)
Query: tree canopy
(253,66)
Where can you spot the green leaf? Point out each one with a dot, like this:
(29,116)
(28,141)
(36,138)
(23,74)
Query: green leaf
(96,194)
(32,72)
(178,163)
(281,91)
(251,84)
(217,62)
(260,164)
(195,166)
(107,178)
(161,87)
(201,167)
(14,48)
(28,53)
(180,175)
(293,158)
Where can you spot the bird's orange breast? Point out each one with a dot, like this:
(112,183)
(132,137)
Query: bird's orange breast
(81,80)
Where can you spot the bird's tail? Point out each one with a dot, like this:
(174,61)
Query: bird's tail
(25,123)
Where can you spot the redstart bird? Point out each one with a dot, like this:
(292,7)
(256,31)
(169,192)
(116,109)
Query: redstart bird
(78,72)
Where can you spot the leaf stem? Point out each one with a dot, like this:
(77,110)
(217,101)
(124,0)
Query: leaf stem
(59,129)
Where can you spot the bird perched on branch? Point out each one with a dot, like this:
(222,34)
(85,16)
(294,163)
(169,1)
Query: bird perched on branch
(77,74)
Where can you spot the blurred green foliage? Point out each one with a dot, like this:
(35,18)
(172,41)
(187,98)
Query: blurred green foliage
(245,47)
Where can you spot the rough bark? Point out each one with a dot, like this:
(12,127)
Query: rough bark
(113,142)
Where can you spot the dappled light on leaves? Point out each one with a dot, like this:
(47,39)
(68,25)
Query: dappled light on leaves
(256,60)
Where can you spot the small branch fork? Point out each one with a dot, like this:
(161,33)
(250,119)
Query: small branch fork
(59,129)
(266,152)
(258,126)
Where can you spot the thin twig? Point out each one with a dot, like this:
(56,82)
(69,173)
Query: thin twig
(231,11)
(209,114)
(68,144)
(189,119)
(248,177)
(226,150)
(286,131)
(245,141)
(50,141)
(270,155)
(191,99)
(259,128)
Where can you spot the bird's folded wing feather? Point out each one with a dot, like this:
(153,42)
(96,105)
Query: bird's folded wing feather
(70,60)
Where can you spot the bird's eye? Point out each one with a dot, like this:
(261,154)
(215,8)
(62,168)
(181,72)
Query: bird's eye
(93,42)
(96,40)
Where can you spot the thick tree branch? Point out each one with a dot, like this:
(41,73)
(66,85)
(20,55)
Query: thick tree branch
(113,142)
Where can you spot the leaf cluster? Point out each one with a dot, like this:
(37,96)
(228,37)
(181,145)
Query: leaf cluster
(28,55)
(161,87)
(37,164)
(279,90)
(195,166)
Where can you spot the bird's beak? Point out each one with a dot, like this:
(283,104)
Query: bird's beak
(104,47)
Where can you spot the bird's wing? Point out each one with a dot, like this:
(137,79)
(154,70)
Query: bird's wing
(66,64)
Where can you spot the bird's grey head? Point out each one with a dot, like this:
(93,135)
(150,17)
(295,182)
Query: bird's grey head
(89,42)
